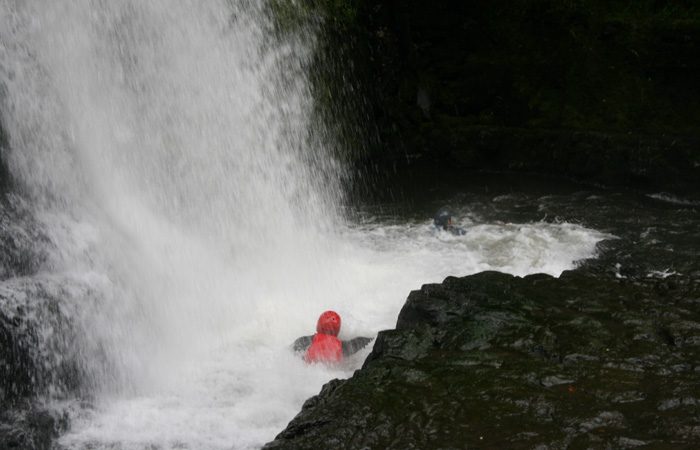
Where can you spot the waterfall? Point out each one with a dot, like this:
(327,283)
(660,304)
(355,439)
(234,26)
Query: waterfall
(168,147)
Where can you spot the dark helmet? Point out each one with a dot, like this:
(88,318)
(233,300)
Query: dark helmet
(442,218)
(328,323)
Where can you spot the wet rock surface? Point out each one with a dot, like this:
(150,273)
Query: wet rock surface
(497,361)
(38,361)
(37,333)
(23,242)
(29,426)
(38,339)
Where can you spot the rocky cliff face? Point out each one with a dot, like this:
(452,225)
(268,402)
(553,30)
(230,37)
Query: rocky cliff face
(496,361)
(500,85)
(37,333)
(36,327)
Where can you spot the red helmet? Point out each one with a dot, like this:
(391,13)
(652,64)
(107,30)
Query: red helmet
(328,323)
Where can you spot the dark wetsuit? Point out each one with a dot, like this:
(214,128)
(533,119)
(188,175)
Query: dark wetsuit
(443,221)
(349,347)
(457,231)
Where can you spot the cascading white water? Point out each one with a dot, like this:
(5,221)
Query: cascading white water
(175,130)
(168,147)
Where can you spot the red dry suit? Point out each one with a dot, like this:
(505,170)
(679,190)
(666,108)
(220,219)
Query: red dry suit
(325,346)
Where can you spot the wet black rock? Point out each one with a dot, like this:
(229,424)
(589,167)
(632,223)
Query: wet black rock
(37,339)
(33,319)
(30,427)
(23,241)
(5,178)
(497,361)
(39,359)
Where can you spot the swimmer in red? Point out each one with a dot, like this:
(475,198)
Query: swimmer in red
(324,346)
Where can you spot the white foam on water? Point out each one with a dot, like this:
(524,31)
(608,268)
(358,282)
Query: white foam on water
(244,384)
(169,149)
(662,273)
(673,199)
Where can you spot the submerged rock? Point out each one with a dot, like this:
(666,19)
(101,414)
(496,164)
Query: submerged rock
(30,427)
(492,360)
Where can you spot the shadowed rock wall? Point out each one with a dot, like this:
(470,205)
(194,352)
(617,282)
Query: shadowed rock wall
(37,355)
(610,86)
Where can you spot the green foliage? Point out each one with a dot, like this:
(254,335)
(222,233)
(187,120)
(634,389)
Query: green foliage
(342,12)
(289,15)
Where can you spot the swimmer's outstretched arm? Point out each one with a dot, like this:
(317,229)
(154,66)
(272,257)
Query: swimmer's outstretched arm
(302,343)
(354,345)
(349,347)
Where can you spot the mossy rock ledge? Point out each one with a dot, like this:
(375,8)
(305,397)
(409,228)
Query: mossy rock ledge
(496,361)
